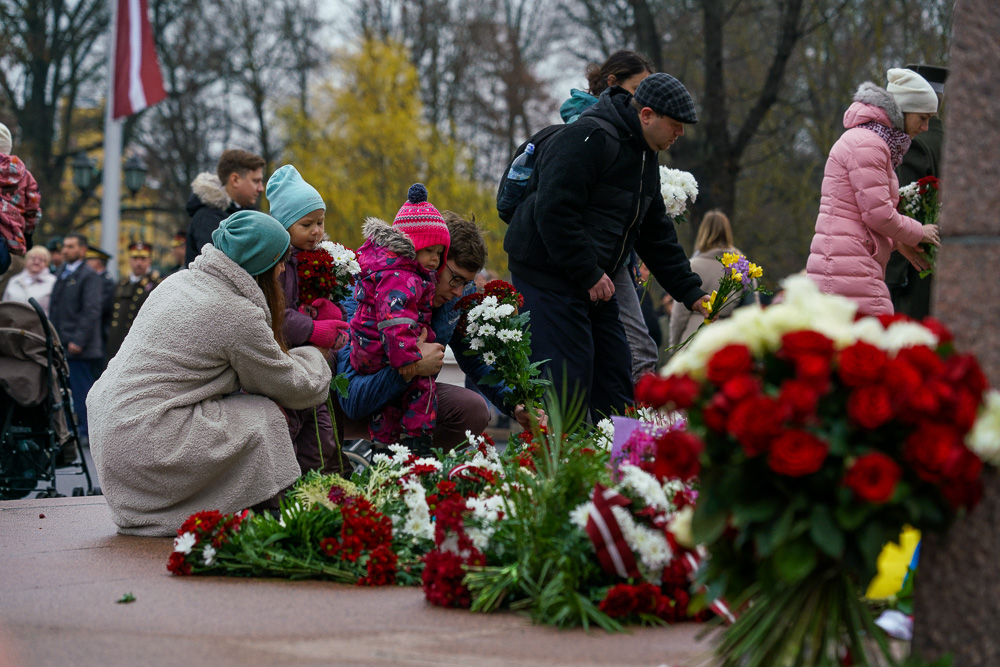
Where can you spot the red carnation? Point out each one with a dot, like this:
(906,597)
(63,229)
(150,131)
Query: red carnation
(619,601)
(873,477)
(728,362)
(870,406)
(678,455)
(861,364)
(755,422)
(178,564)
(796,453)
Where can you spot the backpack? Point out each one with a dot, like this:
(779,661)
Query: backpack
(539,138)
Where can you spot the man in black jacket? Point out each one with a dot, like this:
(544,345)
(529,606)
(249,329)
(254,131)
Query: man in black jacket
(237,183)
(578,223)
(75,312)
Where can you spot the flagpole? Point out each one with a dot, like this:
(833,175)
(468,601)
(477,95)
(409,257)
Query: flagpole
(112,171)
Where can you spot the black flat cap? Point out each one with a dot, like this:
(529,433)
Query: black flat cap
(668,97)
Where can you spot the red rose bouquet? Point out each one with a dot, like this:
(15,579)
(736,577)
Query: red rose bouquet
(920,200)
(823,436)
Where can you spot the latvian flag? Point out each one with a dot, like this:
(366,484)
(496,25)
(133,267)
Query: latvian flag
(138,83)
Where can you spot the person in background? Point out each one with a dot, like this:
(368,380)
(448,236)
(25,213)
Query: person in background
(911,294)
(178,248)
(622,68)
(237,184)
(35,281)
(858,225)
(715,237)
(97,259)
(129,295)
(75,312)
(54,246)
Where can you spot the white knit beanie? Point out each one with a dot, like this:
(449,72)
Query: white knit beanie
(911,91)
(5,141)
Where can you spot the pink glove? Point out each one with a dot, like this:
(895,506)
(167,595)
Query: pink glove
(329,333)
(327,310)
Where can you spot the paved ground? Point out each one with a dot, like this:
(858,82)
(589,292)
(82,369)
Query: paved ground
(60,577)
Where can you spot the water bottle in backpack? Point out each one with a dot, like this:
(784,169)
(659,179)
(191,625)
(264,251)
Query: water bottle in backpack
(517,179)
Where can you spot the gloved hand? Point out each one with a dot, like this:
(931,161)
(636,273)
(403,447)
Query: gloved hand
(327,310)
(331,334)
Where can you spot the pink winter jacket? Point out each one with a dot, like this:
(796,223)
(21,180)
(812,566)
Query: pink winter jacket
(858,223)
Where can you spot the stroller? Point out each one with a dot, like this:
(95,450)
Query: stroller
(37,424)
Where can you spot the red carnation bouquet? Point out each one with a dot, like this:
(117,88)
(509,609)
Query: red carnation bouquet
(327,272)
(824,435)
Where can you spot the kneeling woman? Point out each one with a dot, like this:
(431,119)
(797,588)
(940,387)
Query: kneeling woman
(186,416)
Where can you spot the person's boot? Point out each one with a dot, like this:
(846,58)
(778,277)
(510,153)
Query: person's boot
(419,445)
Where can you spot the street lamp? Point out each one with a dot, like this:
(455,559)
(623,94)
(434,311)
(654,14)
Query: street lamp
(86,173)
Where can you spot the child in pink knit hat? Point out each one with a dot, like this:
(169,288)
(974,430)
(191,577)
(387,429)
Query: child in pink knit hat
(395,295)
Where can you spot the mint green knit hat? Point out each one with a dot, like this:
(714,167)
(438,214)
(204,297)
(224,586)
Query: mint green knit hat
(252,239)
(291,197)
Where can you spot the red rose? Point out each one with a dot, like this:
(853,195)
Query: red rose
(681,391)
(736,389)
(618,602)
(755,421)
(797,453)
(678,455)
(888,320)
(873,477)
(923,358)
(932,449)
(716,413)
(805,343)
(870,406)
(962,370)
(963,494)
(901,377)
(861,364)
(939,330)
(966,406)
(801,398)
(919,404)
(965,467)
(728,362)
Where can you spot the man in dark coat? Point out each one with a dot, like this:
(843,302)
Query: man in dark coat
(75,312)
(579,221)
(237,183)
(97,259)
(130,294)
(178,249)
(911,294)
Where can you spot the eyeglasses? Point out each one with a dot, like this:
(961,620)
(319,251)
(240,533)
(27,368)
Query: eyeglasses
(457,280)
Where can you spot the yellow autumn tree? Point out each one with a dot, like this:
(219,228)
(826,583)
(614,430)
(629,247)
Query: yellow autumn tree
(365,141)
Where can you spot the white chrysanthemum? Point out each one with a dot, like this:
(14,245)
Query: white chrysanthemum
(984,438)
(208,554)
(649,545)
(486,330)
(418,517)
(380,457)
(508,335)
(605,433)
(645,486)
(677,189)
(184,543)
(505,310)
(489,358)
(476,343)
(434,463)
(400,453)
(579,515)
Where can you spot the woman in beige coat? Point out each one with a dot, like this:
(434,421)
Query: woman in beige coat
(715,237)
(186,416)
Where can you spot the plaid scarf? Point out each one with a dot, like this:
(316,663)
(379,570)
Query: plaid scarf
(897,140)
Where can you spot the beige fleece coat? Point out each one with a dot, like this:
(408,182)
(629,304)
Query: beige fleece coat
(169,433)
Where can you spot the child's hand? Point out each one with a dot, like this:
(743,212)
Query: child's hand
(327,310)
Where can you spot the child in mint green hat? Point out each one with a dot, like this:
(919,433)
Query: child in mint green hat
(299,207)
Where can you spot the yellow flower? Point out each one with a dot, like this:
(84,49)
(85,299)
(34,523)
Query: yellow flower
(755,271)
(729,258)
(737,275)
(708,306)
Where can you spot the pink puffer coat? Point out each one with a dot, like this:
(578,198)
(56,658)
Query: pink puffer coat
(858,223)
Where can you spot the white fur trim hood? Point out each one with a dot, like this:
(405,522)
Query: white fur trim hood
(869,93)
(209,190)
(385,235)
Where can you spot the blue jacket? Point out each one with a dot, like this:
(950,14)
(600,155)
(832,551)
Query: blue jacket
(367,394)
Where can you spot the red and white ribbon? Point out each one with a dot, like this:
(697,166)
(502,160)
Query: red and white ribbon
(613,552)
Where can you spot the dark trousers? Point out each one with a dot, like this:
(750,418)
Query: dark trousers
(458,410)
(81,379)
(585,344)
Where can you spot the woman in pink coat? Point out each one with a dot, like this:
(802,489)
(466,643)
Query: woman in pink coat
(858,224)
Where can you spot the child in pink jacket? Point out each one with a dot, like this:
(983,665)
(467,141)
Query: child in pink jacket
(395,295)
(20,203)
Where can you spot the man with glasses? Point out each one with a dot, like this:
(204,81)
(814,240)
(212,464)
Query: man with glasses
(459,409)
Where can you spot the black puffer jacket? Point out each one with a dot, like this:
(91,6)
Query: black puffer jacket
(208,205)
(580,220)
